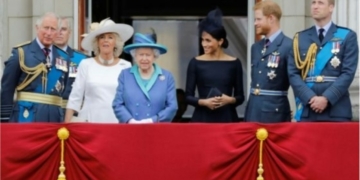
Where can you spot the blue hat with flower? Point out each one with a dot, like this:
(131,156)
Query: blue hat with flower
(145,41)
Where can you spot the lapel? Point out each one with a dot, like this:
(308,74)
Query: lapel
(135,71)
(153,79)
(274,45)
(330,34)
(70,52)
(314,36)
(37,52)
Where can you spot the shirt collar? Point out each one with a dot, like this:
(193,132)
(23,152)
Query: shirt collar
(65,48)
(41,45)
(326,28)
(273,36)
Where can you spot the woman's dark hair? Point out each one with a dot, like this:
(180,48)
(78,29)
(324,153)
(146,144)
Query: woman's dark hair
(212,24)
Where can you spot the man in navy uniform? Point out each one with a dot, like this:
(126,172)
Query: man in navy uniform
(322,66)
(75,56)
(37,71)
(268,102)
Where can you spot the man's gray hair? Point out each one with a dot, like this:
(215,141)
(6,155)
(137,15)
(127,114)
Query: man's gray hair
(48,14)
(62,19)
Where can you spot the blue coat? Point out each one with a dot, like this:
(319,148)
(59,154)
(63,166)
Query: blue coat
(25,111)
(267,108)
(75,58)
(336,92)
(157,100)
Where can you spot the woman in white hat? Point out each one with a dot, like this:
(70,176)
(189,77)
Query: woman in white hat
(146,92)
(96,80)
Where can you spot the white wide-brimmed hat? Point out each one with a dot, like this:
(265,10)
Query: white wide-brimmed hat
(106,26)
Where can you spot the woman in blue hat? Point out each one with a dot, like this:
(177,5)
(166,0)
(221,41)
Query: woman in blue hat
(146,93)
(216,75)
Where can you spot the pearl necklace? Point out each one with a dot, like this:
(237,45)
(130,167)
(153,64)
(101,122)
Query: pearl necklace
(106,62)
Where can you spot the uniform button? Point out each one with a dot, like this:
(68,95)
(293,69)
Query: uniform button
(276,109)
(149,105)
(259,72)
(136,114)
(257,85)
(262,59)
(147,114)
(137,104)
(320,47)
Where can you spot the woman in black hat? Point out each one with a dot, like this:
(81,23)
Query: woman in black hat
(216,75)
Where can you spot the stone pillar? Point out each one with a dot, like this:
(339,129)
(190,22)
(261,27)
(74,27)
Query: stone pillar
(346,14)
(2,29)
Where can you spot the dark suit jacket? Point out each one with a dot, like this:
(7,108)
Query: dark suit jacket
(262,108)
(337,94)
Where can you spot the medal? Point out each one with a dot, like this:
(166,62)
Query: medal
(48,63)
(269,61)
(335,62)
(275,59)
(26,113)
(64,65)
(58,86)
(271,74)
(72,70)
(263,51)
(58,63)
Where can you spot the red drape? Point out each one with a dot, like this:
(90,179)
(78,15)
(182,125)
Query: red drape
(292,151)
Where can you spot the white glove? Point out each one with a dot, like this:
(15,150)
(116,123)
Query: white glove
(134,121)
(146,121)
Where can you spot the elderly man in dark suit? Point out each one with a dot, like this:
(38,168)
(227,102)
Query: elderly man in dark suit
(75,56)
(322,66)
(268,102)
(37,71)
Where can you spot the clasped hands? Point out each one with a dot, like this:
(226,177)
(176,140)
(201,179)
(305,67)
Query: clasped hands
(318,103)
(217,101)
(143,121)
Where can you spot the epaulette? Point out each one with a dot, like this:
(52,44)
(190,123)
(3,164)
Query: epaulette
(81,52)
(307,29)
(59,48)
(342,27)
(22,44)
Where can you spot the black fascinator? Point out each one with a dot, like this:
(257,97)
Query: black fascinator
(212,22)
(213,25)
(153,34)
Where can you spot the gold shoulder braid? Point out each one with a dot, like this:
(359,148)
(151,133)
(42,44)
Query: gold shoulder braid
(309,61)
(34,72)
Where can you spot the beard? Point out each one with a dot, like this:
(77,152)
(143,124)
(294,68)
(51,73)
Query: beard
(264,30)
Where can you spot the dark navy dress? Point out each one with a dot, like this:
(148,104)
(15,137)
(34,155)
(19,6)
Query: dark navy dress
(226,76)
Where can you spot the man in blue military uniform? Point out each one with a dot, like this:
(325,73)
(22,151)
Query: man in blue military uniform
(268,102)
(37,71)
(322,66)
(75,56)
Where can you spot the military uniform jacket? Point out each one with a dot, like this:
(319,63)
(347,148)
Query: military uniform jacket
(343,70)
(75,58)
(51,83)
(269,72)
